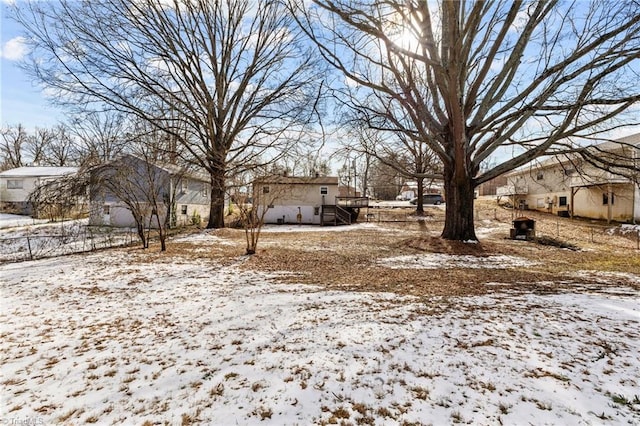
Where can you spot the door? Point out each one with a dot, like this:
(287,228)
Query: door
(106,215)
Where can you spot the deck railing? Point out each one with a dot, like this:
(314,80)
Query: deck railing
(352,201)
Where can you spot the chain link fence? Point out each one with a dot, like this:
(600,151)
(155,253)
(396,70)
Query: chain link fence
(570,230)
(37,243)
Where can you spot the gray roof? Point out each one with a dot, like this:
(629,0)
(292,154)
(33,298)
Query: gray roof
(172,169)
(546,161)
(298,180)
(39,171)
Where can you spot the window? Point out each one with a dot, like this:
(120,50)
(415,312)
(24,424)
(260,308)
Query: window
(14,184)
(539,176)
(324,190)
(265,189)
(183,209)
(203,190)
(316,211)
(184,186)
(605,199)
(562,201)
(106,210)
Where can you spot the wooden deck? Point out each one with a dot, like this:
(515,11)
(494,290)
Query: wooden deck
(344,212)
(334,215)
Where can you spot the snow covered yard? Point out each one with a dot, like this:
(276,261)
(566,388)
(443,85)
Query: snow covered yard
(12,220)
(113,338)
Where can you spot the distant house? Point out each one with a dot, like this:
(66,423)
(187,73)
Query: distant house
(183,197)
(570,187)
(409,189)
(348,191)
(491,187)
(304,200)
(16,185)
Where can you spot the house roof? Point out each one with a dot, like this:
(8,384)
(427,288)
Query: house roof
(298,180)
(551,161)
(172,169)
(411,184)
(39,171)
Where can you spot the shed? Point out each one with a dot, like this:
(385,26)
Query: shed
(524,228)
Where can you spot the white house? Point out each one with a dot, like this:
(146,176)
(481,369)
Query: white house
(304,200)
(409,189)
(17,184)
(568,186)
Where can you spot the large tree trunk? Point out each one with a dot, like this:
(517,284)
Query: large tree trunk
(420,195)
(216,208)
(459,198)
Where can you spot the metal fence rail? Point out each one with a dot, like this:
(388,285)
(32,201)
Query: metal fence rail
(33,245)
(567,229)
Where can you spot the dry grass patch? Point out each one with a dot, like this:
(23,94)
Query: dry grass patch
(346,258)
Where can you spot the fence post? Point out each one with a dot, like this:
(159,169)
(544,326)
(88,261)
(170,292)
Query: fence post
(29,246)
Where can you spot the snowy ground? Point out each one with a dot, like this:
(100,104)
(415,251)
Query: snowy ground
(106,338)
(12,220)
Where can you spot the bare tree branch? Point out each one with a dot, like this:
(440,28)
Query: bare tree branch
(231,81)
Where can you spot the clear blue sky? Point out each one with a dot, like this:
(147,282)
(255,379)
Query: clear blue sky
(21,101)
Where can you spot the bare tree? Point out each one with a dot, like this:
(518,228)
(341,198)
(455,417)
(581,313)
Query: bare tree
(62,197)
(475,77)
(234,75)
(386,181)
(100,136)
(305,161)
(252,208)
(14,142)
(143,187)
(254,203)
(63,149)
(37,144)
(411,158)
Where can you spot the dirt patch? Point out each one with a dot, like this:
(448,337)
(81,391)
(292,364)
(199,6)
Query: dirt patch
(438,245)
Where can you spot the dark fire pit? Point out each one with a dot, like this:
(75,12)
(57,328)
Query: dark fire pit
(524,228)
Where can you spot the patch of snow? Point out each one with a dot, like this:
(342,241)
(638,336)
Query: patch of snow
(204,238)
(629,229)
(488,229)
(318,228)
(624,229)
(604,277)
(440,260)
(14,220)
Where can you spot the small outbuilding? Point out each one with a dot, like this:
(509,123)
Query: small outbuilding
(523,228)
